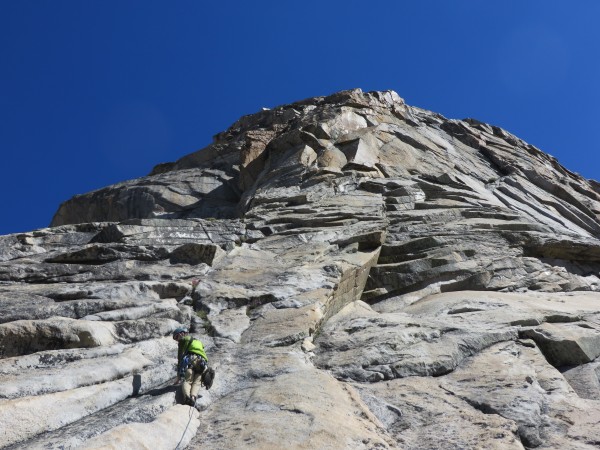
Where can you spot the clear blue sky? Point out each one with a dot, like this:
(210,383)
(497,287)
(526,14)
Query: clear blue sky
(95,92)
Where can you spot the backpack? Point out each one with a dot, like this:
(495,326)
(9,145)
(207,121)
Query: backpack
(207,377)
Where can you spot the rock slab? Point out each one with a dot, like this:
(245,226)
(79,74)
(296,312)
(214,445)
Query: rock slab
(363,273)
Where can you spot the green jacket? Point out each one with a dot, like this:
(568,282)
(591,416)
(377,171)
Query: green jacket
(188,344)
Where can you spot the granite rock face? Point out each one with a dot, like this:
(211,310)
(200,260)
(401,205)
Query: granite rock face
(363,274)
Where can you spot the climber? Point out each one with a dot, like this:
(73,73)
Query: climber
(192,365)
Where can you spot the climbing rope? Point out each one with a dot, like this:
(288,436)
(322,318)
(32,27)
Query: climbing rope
(186,427)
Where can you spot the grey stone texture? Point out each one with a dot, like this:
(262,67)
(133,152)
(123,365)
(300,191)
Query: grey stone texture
(364,275)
